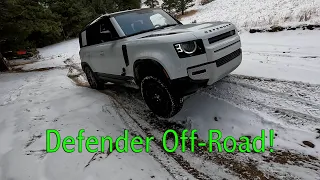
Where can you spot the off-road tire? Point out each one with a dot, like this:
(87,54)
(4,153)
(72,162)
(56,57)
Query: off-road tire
(160,98)
(94,81)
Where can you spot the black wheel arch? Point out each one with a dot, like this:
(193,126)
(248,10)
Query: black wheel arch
(84,64)
(148,67)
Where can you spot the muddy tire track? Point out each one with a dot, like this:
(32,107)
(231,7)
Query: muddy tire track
(164,162)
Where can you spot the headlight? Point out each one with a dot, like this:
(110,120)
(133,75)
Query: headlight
(190,48)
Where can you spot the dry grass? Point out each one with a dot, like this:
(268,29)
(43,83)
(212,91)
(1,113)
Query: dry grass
(187,14)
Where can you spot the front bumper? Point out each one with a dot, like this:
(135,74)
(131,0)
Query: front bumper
(206,74)
(216,70)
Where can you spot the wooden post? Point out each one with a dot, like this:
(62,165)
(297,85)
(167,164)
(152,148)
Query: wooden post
(4,65)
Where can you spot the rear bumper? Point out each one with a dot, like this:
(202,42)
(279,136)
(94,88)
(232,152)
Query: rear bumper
(216,70)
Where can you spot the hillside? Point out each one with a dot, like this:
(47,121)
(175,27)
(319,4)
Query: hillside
(258,13)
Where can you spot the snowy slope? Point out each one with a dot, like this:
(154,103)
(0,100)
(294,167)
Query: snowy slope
(259,13)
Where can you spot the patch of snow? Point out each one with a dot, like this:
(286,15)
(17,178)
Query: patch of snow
(208,112)
(55,55)
(294,171)
(287,55)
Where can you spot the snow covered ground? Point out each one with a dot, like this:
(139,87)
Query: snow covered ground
(33,102)
(238,105)
(276,87)
(247,14)
(287,55)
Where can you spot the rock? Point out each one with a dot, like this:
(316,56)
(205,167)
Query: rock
(308,143)
(310,27)
(203,2)
(276,28)
(252,30)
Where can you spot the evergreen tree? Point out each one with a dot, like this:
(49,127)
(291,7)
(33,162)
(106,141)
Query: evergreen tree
(122,5)
(36,23)
(183,5)
(152,3)
(169,5)
(24,19)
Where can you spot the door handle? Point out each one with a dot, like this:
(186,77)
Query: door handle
(101,53)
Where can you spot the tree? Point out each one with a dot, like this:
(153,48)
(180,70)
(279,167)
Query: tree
(4,65)
(23,20)
(121,5)
(169,5)
(183,5)
(36,23)
(152,3)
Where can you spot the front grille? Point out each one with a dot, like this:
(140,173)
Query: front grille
(221,36)
(228,58)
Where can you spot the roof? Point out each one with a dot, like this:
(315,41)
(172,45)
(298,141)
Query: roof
(132,10)
(120,12)
(116,13)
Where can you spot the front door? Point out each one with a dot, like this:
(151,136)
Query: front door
(108,52)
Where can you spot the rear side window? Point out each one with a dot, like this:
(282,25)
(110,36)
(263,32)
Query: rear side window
(92,34)
(83,39)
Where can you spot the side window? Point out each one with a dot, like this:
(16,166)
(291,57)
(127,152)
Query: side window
(107,31)
(99,32)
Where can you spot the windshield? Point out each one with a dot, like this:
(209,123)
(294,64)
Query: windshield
(144,20)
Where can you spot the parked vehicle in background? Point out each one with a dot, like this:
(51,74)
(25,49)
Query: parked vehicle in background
(20,54)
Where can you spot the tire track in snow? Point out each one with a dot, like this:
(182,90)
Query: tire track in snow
(289,108)
(167,161)
(293,94)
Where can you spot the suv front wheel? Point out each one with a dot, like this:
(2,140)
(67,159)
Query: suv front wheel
(160,98)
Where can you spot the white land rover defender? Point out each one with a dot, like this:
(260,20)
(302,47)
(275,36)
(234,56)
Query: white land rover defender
(166,59)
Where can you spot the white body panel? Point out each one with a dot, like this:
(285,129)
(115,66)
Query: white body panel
(108,57)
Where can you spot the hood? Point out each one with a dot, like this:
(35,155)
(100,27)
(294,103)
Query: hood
(196,27)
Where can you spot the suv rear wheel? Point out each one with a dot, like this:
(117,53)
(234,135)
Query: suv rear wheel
(160,98)
(93,80)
